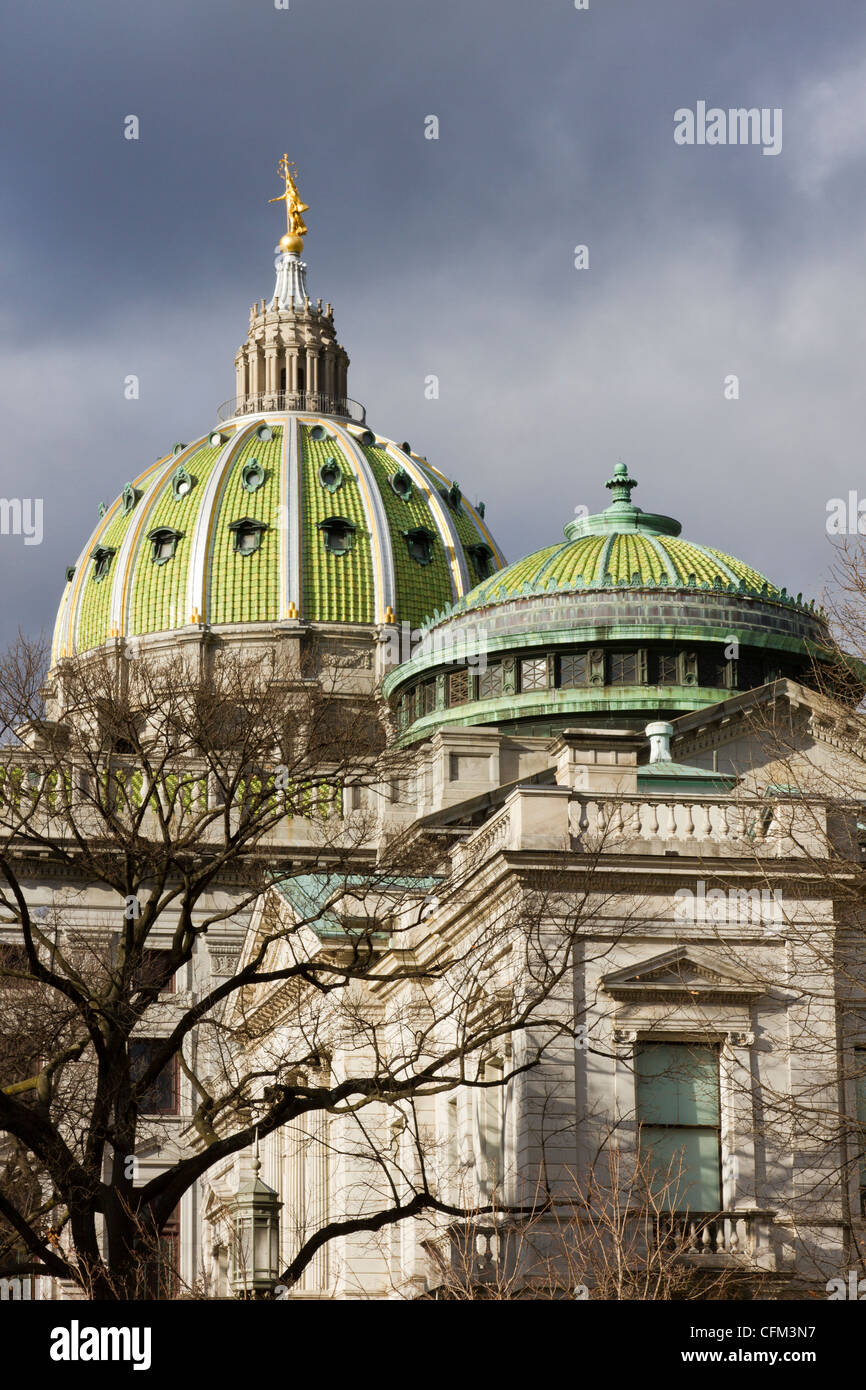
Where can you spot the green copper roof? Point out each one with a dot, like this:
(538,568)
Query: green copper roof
(621,621)
(621,547)
(281,476)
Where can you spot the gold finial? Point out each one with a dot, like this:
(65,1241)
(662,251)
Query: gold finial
(296,227)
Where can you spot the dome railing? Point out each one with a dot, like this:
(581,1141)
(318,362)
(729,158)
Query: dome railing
(317,402)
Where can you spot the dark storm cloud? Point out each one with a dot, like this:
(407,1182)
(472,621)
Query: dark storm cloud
(452,257)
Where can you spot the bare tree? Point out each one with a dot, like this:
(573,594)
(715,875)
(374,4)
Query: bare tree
(167,803)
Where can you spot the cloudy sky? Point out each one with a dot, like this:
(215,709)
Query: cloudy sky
(452,257)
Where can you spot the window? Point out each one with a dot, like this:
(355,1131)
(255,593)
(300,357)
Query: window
(667,670)
(426,698)
(572,671)
(161,1096)
(331,475)
(722,674)
(401,483)
(13,959)
(623,668)
(161,1265)
(163,542)
(152,971)
(247,535)
(491,682)
(482,559)
(128,499)
(419,542)
(678,1113)
(533,673)
(338,534)
(102,557)
(252,476)
(458,687)
(182,483)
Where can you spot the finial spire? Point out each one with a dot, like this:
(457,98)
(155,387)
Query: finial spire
(296,227)
(621,484)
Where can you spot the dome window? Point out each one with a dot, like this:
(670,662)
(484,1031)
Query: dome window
(534,673)
(573,671)
(102,557)
(452,495)
(366,439)
(247,535)
(401,484)
(419,542)
(128,499)
(178,449)
(252,476)
(216,438)
(264,433)
(338,534)
(318,432)
(70,573)
(182,483)
(331,475)
(163,540)
(482,559)
(406,447)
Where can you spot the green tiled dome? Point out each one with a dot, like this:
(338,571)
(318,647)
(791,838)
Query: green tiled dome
(622,547)
(276,516)
(620,622)
(620,559)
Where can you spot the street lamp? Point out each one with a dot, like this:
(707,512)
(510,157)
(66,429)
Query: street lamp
(256,1243)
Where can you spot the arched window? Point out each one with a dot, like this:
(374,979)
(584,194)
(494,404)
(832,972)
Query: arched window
(338,534)
(247,535)
(419,542)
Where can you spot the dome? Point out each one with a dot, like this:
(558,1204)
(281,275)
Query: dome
(271,517)
(292,509)
(621,622)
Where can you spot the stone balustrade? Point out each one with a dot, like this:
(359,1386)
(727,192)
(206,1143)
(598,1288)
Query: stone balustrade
(721,825)
(551,818)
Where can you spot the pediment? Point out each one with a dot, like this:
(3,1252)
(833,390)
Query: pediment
(682,973)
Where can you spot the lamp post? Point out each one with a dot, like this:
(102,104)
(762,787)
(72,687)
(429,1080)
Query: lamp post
(256,1231)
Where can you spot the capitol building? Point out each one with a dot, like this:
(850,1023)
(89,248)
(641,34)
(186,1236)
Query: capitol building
(613,756)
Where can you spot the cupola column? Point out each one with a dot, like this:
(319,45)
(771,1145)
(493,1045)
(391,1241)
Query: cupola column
(270,370)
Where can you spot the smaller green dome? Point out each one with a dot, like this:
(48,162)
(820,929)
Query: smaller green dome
(622,546)
(621,622)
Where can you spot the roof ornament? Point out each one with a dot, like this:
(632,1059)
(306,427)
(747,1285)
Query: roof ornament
(296,227)
(621,485)
(291,285)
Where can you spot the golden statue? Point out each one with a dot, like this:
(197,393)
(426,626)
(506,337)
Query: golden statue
(296,227)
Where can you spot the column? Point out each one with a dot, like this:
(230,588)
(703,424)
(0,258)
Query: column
(240,373)
(270,371)
(255,373)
